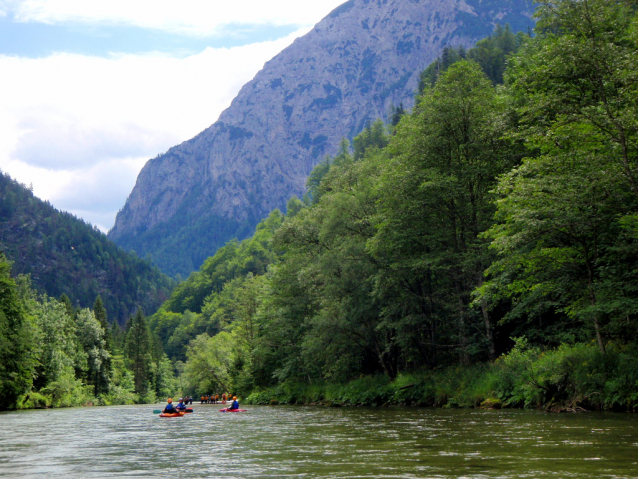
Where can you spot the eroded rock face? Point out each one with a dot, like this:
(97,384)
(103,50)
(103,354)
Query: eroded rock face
(351,69)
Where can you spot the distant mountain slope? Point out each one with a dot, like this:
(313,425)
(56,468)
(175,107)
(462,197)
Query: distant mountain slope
(63,254)
(354,65)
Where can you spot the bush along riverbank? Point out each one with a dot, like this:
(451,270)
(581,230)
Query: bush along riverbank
(570,378)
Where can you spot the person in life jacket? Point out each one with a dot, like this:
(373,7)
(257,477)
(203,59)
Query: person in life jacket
(224,398)
(169,407)
(180,405)
(235,404)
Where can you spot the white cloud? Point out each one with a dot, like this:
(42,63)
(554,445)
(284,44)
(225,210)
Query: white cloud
(65,143)
(80,128)
(194,17)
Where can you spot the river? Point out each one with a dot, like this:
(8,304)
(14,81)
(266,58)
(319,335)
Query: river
(317,442)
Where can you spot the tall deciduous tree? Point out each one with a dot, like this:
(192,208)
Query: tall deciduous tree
(90,334)
(436,200)
(565,229)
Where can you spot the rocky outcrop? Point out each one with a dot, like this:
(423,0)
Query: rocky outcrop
(356,63)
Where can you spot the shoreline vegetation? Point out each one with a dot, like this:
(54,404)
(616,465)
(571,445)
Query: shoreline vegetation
(576,378)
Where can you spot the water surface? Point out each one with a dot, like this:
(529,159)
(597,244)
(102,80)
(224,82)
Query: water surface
(317,442)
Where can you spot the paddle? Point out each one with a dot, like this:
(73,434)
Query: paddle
(159,411)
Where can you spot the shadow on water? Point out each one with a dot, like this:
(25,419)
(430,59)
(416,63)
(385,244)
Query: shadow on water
(316,442)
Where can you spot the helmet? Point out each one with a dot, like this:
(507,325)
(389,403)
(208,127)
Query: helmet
(170,400)
(234,397)
(181,399)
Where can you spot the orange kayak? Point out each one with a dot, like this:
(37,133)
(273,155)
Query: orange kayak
(171,414)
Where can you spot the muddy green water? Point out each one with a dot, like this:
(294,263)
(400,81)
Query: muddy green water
(316,442)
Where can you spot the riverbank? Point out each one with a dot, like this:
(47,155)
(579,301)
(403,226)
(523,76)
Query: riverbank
(569,378)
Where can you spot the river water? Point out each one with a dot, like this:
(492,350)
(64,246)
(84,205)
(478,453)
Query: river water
(317,442)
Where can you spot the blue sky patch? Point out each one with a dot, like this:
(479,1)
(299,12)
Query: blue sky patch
(38,40)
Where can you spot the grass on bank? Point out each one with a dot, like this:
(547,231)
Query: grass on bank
(571,377)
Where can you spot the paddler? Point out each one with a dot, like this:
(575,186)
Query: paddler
(235,404)
(180,405)
(169,407)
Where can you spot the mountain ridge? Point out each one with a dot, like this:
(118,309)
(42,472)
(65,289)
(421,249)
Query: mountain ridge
(355,64)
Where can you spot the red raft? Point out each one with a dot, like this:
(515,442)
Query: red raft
(232,410)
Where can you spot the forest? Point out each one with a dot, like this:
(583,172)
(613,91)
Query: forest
(478,250)
(55,355)
(64,255)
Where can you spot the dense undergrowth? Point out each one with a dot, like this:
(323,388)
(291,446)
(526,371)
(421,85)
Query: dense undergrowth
(569,378)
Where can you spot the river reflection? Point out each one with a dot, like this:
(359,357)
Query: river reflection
(317,442)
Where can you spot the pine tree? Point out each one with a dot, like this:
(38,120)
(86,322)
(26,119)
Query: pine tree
(138,351)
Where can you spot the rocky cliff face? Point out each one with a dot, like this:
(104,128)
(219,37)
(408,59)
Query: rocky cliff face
(349,70)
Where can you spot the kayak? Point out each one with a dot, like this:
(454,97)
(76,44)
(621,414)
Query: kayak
(171,414)
(232,410)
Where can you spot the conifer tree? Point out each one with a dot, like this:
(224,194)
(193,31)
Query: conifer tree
(138,351)
(15,363)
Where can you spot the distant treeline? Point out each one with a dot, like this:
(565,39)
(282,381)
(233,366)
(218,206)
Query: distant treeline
(503,206)
(65,255)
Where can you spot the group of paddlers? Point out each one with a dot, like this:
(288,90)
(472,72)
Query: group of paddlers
(213,398)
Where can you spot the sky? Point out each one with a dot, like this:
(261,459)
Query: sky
(92,89)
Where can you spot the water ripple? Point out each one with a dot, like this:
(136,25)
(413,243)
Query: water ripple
(314,442)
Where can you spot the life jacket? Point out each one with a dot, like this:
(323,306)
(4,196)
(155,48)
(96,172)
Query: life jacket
(235,405)
(181,406)
(169,408)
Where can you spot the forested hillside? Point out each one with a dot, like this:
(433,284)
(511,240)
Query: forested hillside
(483,249)
(65,255)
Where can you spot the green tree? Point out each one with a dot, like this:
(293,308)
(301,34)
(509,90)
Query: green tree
(324,316)
(90,335)
(210,362)
(138,351)
(436,200)
(15,342)
(565,233)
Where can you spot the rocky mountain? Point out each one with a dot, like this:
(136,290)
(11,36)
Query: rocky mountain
(352,68)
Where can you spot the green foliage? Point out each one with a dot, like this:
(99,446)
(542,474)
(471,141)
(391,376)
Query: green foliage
(64,255)
(233,260)
(372,137)
(561,233)
(16,362)
(199,305)
(563,379)
(490,53)
(435,199)
(570,376)
(138,352)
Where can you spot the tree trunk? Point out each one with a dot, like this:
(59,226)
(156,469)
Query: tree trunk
(489,333)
